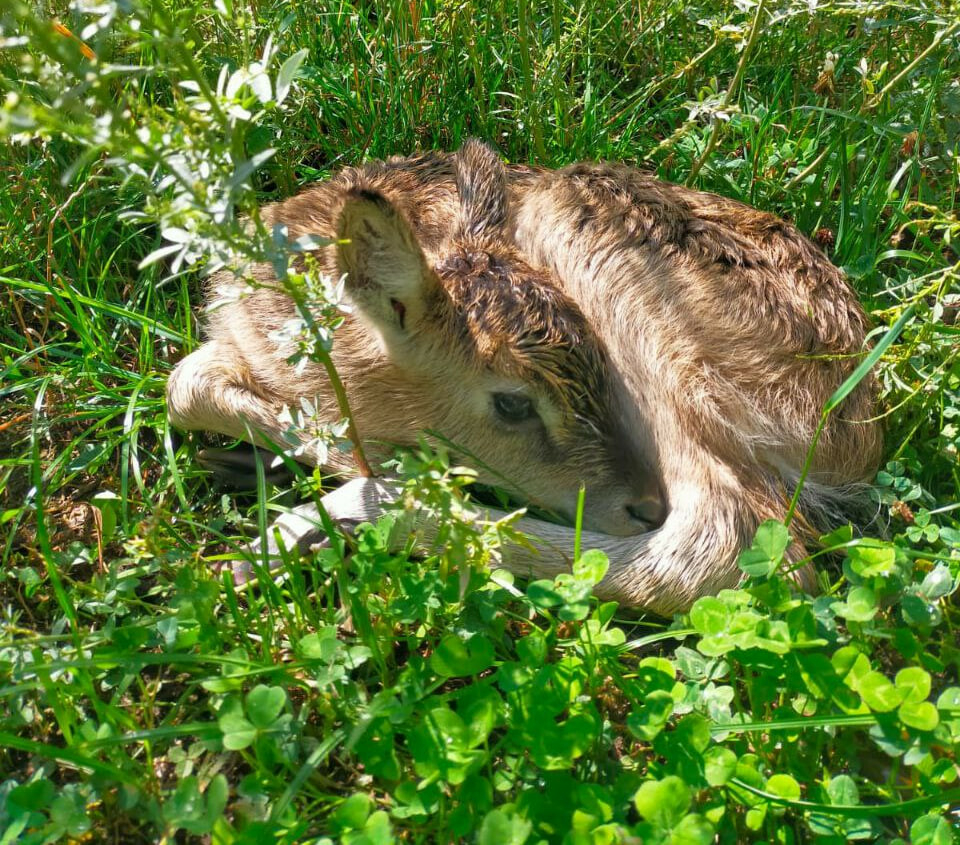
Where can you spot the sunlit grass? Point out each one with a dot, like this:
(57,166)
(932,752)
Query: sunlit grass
(142,699)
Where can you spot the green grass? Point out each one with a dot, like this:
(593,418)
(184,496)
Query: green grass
(371,697)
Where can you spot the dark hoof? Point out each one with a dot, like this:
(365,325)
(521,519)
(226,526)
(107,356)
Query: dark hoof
(237,467)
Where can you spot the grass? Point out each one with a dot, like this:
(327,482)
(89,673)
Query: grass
(378,697)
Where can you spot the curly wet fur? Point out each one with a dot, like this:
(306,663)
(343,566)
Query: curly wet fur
(721,329)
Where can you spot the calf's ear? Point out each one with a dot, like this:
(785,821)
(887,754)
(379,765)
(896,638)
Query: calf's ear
(388,279)
(482,185)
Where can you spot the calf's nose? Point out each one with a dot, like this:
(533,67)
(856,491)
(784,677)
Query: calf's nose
(649,510)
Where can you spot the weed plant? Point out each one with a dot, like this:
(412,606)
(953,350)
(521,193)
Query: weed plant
(375,696)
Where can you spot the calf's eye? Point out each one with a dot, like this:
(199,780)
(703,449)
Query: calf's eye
(513,407)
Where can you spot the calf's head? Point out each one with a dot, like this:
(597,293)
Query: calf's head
(499,362)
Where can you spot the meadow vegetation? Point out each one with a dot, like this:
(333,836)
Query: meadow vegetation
(368,695)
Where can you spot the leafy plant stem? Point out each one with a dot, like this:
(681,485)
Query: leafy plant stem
(841,393)
(909,67)
(733,88)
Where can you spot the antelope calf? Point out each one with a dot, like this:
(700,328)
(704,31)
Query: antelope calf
(670,347)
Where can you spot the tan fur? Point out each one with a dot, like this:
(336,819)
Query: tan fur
(730,330)
(722,331)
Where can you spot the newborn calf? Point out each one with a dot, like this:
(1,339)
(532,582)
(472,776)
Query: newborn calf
(672,349)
